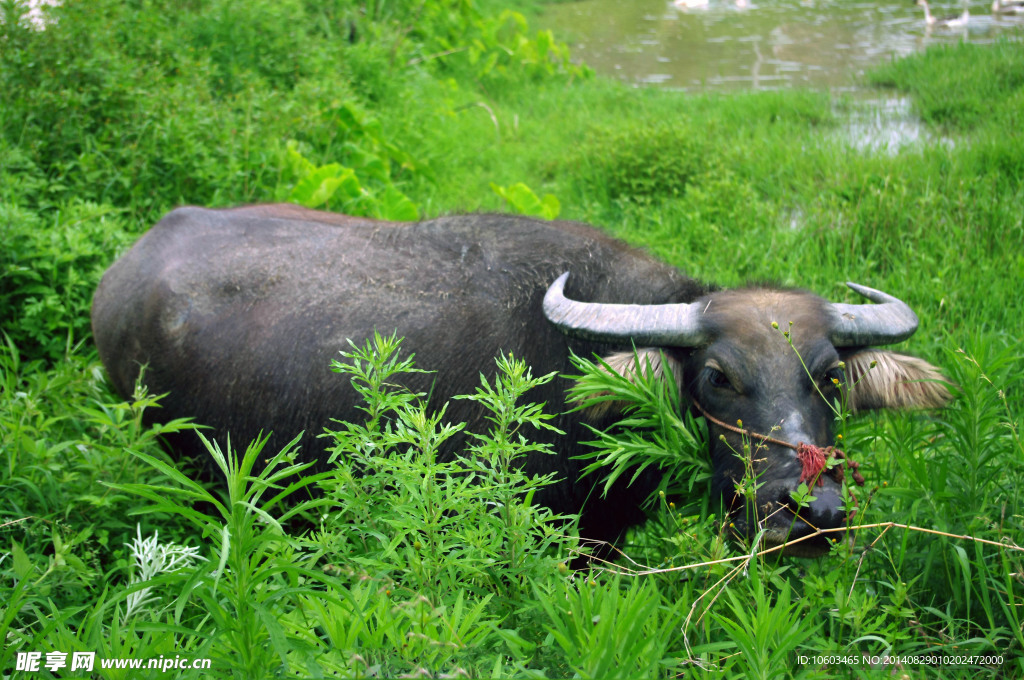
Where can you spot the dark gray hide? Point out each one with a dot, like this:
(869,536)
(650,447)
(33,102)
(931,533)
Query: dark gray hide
(238,314)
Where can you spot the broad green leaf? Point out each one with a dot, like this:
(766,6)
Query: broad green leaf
(523,200)
(550,207)
(317,188)
(392,204)
(22,564)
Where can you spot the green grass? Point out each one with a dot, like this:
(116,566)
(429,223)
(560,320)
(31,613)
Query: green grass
(123,110)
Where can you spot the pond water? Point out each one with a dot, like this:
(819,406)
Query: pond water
(751,44)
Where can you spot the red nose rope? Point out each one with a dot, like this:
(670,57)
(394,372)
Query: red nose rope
(812,458)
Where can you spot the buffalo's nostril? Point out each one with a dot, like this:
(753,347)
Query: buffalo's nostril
(826,511)
(784,520)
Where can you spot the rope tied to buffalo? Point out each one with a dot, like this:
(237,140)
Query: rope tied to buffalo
(813,459)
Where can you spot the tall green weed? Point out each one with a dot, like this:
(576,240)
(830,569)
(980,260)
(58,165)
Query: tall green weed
(472,510)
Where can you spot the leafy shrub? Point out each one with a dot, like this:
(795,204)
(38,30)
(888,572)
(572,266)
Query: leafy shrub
(347,188)
(49,271)
(472,510)
(252,42)
(192,104)
(491,48)
(644,161)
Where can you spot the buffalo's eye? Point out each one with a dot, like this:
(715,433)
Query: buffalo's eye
(835,376)
(717,378)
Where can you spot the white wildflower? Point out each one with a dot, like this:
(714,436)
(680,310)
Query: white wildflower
(151,560)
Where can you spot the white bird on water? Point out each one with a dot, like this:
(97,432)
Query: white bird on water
(1011,7)
(690,4)
(952,21)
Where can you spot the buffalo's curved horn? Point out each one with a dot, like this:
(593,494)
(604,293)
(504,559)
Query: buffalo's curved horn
(676,325)
(889,321)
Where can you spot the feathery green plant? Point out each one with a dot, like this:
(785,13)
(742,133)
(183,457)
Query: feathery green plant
(654,430)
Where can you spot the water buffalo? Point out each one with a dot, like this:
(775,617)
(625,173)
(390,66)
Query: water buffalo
(238,313)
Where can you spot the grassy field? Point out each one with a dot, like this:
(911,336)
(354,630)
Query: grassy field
(121,110)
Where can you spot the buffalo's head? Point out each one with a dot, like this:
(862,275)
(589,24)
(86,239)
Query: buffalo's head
(768,368)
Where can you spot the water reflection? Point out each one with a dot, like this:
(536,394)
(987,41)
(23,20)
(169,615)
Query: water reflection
(733,44)
(881,125)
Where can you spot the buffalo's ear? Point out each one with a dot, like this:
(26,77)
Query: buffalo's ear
(647,361)
(882,379)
